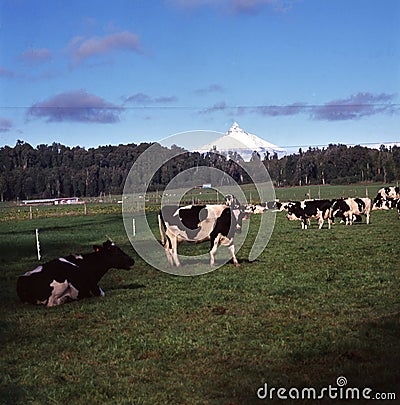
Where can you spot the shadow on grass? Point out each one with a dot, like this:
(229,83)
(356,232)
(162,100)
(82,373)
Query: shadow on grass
(371,360)
(131,286)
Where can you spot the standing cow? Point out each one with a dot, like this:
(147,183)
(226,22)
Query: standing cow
(199,223)
(71,277)
(306,210)
(349,209)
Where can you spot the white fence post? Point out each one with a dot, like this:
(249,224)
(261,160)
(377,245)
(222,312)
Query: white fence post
(38,244)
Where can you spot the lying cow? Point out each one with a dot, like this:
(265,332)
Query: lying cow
(199,223)
(280,206)
(389,192)
(348,209)
(386,198)
(306,210)
(72,277)
(388,204)
(263,207)
(256,208)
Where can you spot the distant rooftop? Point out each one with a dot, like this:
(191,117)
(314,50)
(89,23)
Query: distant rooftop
(52,201)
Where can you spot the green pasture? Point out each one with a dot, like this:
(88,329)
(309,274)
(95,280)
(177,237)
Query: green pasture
(94,206)
(316,305)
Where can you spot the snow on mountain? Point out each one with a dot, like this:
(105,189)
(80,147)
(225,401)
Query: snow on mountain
(239,141)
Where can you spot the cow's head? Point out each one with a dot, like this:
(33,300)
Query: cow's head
(294,210)
(378,202)
(114,256)
(232,201)
(280,206)
(337,210)
(238,216)
(291,216)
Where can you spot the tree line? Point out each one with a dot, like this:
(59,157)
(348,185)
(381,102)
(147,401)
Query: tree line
(336,164)
(50,171)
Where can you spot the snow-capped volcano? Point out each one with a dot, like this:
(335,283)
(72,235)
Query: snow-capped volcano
(239,141)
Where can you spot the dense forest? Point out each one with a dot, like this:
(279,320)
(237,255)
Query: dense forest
(60,171)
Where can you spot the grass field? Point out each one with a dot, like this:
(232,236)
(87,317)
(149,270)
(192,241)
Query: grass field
(317,304)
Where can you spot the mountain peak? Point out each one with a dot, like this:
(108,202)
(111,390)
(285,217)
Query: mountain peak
(234,128)
(238,140)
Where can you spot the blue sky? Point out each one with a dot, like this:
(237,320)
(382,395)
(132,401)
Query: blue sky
(301,72)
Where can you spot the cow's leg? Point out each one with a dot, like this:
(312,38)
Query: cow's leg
(168,251)
(232,252)
(367,217)
(97,291)
(71,293)
(320,221)
(59,290)
(169,257)
(303,223)
(214,246)
(174,251)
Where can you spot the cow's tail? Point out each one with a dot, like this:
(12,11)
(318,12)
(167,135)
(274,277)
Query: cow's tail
(161,228)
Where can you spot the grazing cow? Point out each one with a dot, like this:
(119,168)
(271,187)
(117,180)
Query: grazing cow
(350,208)
(199,223)
(71,277)
(309,209)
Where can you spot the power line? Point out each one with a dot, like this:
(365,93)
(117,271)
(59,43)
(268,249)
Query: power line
(216,106)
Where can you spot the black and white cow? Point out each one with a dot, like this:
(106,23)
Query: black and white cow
(386,198)
(349,209)
(388,204)
(280,206)
(232,201)
(389,192)
(256,208)
(199,223)
(306,210)
(72,277)
(263,207)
